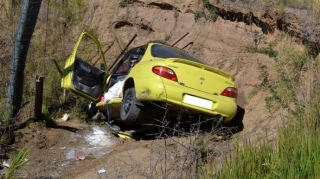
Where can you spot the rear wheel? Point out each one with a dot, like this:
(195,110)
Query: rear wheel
(129,110)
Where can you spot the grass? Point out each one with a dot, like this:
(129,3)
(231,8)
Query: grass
(295,155)
(312,5)
(167,37)
(269,50)
(175,14)
(212,14)
(297,3)
(17,161)
(198,15)
(296,151)
(50,42)
(208,11)
(70,12)
(123,3)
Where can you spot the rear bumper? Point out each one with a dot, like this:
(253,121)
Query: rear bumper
(164,90)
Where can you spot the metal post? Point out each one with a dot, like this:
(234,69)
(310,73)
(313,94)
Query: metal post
(39,98)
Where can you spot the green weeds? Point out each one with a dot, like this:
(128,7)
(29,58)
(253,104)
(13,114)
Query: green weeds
(17,161)
(295,155)
(212,12)
(312,5)
(208,11)
(123,3)
(198,15)
(296,152)
(269,50)
(175,14)
(167,37)
(70,12)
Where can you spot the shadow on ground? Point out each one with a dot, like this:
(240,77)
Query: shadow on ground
(179,125)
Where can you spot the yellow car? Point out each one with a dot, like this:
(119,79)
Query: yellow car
(152,73)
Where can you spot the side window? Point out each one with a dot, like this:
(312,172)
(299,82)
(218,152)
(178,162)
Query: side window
(124,67)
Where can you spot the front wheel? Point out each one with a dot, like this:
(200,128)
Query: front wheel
(129,110)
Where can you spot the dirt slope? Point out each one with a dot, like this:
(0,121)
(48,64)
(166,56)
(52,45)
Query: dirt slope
(222,43)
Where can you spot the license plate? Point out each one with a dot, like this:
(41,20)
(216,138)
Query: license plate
(204,103)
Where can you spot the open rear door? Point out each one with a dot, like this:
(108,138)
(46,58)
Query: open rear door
(80,75)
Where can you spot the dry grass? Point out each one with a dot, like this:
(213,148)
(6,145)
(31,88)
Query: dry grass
(290,156)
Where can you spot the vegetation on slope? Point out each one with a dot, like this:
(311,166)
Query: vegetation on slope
(295,154)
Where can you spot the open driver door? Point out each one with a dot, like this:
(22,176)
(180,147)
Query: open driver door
(80,76)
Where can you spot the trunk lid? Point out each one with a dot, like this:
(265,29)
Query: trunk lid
(199,76)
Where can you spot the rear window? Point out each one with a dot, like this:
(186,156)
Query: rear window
(170,52)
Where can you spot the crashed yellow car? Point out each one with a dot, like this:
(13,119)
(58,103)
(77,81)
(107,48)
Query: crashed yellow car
(152,73)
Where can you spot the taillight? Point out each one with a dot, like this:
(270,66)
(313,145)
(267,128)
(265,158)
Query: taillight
(165,72)
(230,92)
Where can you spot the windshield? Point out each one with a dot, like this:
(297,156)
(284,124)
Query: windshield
(162,51)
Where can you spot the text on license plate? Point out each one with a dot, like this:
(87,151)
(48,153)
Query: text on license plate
(204,103)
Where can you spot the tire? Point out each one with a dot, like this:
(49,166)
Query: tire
(236,124)
(92,110)
(129,110)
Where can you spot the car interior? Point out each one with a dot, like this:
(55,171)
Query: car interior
(123,68)
(87,78)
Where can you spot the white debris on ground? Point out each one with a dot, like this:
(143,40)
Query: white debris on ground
(65,117)
(6,164)
(99,137)
(101,171)
(98,142)
(71,154)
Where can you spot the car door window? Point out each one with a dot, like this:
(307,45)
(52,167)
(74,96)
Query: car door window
(123,68)
(124,63)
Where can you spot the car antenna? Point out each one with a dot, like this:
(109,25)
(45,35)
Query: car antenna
(104,52)
(180,39)
(135,35)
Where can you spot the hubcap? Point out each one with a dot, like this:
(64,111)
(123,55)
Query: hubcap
(127,103)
